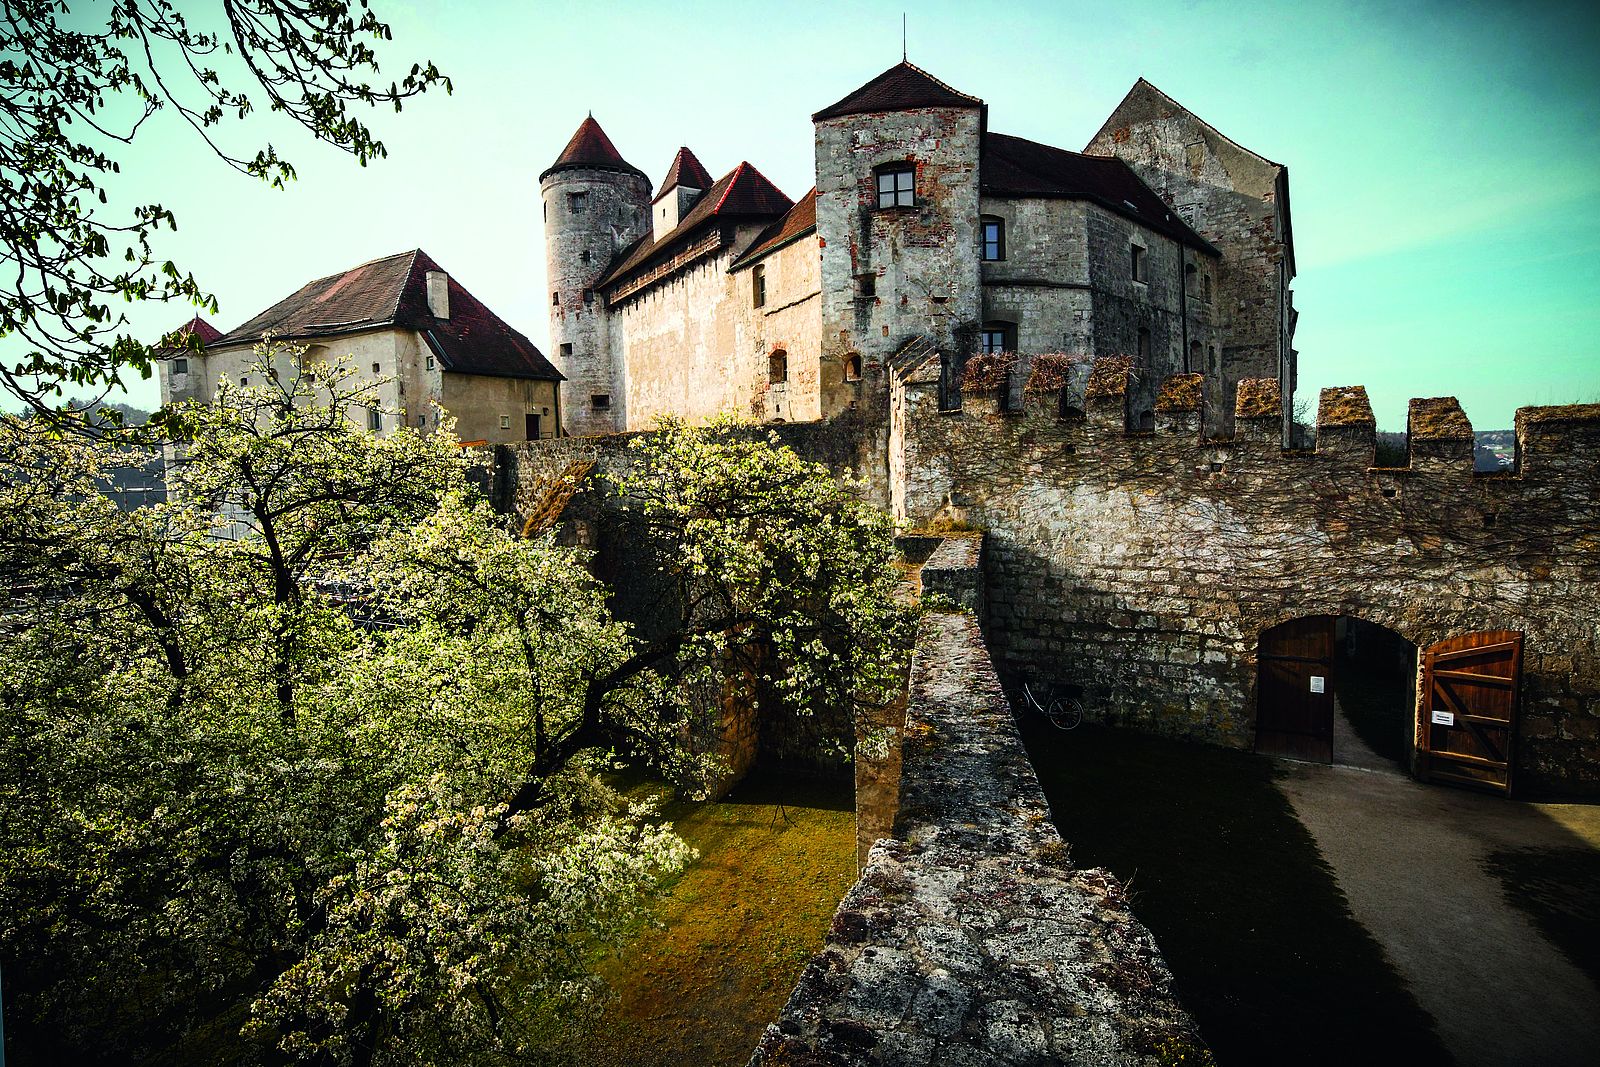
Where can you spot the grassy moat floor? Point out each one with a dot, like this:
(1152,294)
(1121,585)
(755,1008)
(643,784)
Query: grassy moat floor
(1266,953)
(740,923)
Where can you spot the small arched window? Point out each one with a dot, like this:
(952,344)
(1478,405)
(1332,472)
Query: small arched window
(897,185)
(778,367)
(852,367)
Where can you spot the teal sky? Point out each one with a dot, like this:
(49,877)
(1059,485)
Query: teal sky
(1444,159)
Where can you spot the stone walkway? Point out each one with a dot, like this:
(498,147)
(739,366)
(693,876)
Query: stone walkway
(1410,857)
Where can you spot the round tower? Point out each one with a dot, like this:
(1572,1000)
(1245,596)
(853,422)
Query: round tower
(595,205)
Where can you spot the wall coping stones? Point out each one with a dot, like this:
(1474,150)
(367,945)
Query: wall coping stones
(1437,418)
(1345,405)
(969,938)
(1181,392)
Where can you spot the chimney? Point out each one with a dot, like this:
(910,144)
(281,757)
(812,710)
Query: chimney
(439,294)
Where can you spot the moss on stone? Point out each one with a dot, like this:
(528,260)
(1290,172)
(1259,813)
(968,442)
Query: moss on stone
(1258,398)
(1109,377)
(1345,405)
(1181,392)
(1438,418)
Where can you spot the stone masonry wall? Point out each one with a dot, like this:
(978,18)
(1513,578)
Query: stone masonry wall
(1237,200)
(1142,568)
(970,938)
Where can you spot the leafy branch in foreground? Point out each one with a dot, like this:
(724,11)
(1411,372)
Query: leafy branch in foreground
(307,763)
(74,98)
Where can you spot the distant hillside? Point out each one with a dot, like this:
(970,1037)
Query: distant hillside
(1492,450)
(141,479)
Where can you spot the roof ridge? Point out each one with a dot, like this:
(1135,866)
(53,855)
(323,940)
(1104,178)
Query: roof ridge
(733,179)
(941,82)
(1175,102)
(400,290)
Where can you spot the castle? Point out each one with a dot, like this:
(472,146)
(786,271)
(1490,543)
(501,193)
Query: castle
(1164,241)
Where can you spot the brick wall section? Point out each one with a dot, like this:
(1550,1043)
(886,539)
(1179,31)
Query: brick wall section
(969,937)
(1143,567)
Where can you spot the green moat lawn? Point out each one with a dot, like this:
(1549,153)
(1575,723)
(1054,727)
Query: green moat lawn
(741,922)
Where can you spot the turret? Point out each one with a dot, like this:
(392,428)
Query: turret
(595,205)
(685,181)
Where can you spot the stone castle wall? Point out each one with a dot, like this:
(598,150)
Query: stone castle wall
(970,938)
(1143,567)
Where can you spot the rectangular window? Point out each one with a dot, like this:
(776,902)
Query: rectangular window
(566,349)
(1138,263)
(897,186)
(1205,287)
(600,401)
(429,361)
(422,420)
(577,202)
(588,296)
(244,381)
(994,240)
(180,366)
(374,419)
(555,299)
(584,256)
(505,422)
(1144,346)
(758,285)
(867,285)
(994,339)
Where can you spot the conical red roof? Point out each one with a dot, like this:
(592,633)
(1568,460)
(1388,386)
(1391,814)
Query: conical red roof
(686,171)
(178,340)
(590,147)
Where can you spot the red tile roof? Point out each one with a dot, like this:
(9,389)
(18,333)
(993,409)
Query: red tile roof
(175,342)
(590,147)
(900,88)
(686,171)
(799,221)
(1013,166)
(742,193)
(393,291)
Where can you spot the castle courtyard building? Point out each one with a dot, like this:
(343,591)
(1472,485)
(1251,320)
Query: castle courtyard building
(926,232)
(403,324)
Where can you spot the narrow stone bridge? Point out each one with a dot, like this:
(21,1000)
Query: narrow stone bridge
(970,938)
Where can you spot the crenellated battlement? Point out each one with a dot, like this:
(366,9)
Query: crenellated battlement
(1086,403)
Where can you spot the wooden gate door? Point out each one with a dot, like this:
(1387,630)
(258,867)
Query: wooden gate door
(1469,709)
(1294,696)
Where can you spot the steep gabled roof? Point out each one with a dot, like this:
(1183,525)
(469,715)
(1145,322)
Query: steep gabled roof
(393,292)
(686,171)
(590,147)
(1015,166)
(795,224)
(177,342)
(1144,92)
(900,88)
(742,193)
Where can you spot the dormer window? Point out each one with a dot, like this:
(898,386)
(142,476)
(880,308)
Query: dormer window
(994,238)
(897,185)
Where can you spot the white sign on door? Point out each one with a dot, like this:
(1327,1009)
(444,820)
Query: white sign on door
(1319,684)
(1445,718)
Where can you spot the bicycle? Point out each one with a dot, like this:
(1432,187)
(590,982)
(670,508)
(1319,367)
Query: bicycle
(1063,714)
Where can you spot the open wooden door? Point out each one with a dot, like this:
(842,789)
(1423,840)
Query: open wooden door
(1469,709)
(1294,697)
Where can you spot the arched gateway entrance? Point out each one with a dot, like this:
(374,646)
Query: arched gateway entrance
(1338,689)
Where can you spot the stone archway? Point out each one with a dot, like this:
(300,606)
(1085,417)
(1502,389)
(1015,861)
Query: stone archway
(1336,689)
